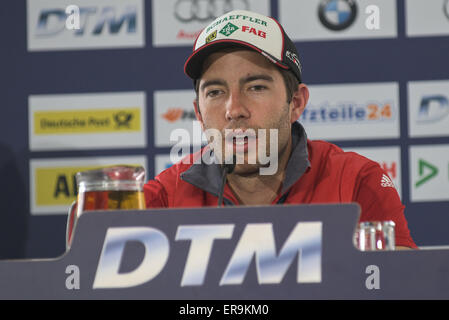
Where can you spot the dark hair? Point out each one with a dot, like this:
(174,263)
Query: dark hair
(290,81)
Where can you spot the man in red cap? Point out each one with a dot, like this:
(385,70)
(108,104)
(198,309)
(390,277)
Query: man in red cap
(248,81)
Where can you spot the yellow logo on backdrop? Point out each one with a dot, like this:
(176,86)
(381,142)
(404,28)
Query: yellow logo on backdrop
(87,121)
(57,185)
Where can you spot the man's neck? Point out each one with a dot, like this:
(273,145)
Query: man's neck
(257,189)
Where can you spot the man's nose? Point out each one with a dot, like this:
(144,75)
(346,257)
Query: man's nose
(236,108)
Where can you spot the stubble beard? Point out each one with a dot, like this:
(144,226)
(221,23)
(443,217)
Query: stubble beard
(283,127)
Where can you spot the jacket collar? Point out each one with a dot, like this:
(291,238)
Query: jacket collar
(208,176)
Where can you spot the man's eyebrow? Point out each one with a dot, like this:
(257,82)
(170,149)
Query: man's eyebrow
(256,77)
(212,82)
(244,80)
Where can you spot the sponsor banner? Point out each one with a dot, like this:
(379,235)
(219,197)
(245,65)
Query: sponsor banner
(428,108)
(85,24)
(352,111)
(427,18)
(429,173)
(174,115)
(306,20)
(161,162)
(52,181)
(389,158)
(87,121)
(179,22)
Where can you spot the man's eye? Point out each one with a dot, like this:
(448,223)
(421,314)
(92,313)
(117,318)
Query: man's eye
(258,88)
(212,93)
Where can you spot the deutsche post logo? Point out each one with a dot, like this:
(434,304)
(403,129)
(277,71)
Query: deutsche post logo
(86,121)
(211,37)
(123,119)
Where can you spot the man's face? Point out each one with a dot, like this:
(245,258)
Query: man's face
(242,90)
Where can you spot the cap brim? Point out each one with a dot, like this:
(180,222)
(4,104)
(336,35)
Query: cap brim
(193,65)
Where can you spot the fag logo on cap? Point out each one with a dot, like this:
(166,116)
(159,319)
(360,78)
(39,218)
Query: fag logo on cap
(228,29)
(211,37)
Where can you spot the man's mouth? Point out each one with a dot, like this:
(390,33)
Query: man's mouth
(241,139)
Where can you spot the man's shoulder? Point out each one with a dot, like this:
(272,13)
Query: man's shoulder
(320,150)
(322,146)
(177,168)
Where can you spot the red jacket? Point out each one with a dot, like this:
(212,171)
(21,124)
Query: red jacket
(317,172)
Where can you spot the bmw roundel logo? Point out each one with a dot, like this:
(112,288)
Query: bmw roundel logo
(337,15)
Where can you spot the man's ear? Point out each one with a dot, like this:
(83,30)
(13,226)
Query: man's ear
(299,101)
(198,115)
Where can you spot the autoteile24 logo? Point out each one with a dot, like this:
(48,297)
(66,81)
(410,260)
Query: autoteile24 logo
(337,15)
(348,112)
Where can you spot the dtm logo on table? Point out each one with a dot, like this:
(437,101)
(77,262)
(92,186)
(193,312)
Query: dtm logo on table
(85,24)
(256,242)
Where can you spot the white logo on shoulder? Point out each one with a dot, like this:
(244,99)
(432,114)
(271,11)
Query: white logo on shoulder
(386,181)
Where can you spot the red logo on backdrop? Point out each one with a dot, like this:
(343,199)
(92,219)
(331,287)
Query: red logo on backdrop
(390,169)
(187,34)
(254,31)
(173,114)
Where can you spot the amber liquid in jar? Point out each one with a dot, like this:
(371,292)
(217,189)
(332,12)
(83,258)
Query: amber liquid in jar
(113,200)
